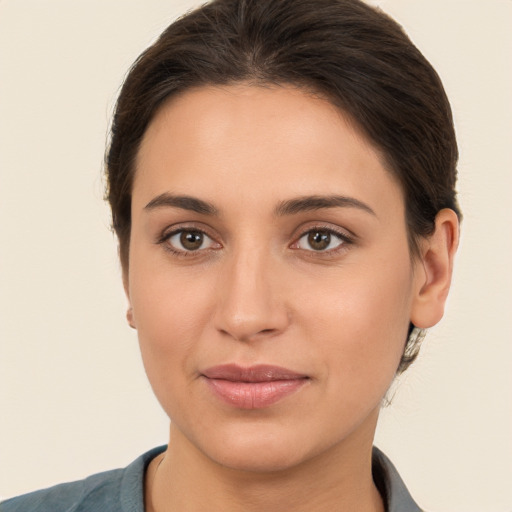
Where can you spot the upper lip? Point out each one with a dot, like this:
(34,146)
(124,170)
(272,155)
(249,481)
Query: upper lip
(257,373)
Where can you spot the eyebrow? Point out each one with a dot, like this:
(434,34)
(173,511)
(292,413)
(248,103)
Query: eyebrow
(184,202)
(288,207)
(310,203)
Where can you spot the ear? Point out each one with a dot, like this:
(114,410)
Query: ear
(434,270)
(129,312)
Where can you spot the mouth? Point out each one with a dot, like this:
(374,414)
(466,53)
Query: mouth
(254,387)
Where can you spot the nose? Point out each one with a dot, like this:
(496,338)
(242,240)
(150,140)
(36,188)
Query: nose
(250,297)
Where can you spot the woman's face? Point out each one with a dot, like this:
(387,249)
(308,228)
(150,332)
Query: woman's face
(270,278)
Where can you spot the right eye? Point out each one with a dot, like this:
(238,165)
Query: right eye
(188,240)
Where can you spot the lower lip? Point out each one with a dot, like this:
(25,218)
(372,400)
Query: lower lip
(254,395)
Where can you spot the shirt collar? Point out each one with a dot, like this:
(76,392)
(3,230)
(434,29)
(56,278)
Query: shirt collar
(389,483)
(391,486)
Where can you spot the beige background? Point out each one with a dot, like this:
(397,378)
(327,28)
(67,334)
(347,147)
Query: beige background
(73,396)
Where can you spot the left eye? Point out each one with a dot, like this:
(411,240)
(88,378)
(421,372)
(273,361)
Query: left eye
(320,240)
(190,240)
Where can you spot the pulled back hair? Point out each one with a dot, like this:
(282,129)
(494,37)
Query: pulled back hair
(344,50)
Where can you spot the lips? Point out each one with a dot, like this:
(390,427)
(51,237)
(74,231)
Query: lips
(252,387)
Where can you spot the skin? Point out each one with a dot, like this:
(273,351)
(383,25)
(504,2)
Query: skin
(257,292)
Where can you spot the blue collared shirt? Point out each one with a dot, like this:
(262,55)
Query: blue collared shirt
(122,490)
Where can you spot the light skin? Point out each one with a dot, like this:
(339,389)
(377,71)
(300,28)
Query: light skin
(267,230)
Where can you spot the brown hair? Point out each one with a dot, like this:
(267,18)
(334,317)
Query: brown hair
(345,50)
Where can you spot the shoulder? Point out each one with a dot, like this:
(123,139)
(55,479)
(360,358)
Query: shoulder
(118,490)
(88,494)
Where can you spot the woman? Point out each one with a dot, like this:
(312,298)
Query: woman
(282,182)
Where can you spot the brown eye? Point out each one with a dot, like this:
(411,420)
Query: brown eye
(189,241)
(320,240)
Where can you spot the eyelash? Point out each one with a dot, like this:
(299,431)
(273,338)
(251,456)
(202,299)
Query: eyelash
(343,237)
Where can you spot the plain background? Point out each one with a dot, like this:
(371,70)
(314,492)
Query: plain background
(73,395)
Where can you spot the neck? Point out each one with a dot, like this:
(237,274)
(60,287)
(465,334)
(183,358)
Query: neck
(185,479)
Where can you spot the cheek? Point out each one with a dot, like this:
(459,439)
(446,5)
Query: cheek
(361,324)
(170,314)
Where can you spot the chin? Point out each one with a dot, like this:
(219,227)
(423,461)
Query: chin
(256,449)
(270,458)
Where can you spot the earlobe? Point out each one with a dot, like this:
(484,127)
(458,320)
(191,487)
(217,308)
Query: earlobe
(435,270)
(129,311)
(129,318)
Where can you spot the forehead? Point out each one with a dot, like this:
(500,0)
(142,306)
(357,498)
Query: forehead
(277,140)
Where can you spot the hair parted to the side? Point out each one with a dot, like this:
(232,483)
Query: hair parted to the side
(350,53)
